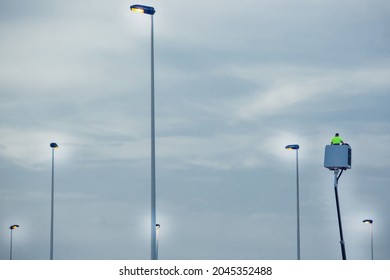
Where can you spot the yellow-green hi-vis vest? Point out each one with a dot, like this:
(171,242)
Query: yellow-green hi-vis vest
(336,140)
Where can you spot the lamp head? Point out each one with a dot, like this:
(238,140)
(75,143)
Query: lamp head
(157,226)
(143,9)
(368,221)
(54,145)
(292,147)
(13,227)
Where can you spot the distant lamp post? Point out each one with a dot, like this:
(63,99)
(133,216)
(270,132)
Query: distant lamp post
(157,233)
(150,11)
(296,148)
(368,221)
(53,146)
(10,247)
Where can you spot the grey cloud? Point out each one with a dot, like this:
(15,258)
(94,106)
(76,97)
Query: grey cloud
(233,87)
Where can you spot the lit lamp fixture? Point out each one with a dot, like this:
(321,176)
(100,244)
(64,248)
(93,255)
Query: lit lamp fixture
(369,221)
(150,11)
(10,248)
(54,145)
(292,147)
(142,9)
(296,148)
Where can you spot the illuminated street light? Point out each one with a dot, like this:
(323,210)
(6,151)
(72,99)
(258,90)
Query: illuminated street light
(150,11)
(143,9)
(10,249)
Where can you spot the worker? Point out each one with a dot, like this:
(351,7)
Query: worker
(336,140)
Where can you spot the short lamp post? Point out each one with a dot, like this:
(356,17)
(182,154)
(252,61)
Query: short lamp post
(296,148)
(157,235)
(370,222)
(11,244)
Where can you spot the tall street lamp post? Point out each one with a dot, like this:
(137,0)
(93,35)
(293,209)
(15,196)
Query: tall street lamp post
(151,11)
(10,247)
(53,146)
(368,221)
(296,148)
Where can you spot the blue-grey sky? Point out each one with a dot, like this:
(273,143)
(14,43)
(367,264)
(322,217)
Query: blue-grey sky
(235,83)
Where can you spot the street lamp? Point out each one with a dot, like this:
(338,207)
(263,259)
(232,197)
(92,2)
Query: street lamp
(296,148)
(53,146)
(157,234)
(10,247)
(368,221)
(150,11)
(143,9)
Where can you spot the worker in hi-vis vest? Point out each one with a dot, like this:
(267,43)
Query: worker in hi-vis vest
(336,140)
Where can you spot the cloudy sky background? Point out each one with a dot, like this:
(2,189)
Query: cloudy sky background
(235,83)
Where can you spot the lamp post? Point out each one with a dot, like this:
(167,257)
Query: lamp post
(368,221)
(157,234)
(150,11)
(53,146)
(296,148)
(10,247)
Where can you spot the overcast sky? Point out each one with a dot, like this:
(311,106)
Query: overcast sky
(236,81)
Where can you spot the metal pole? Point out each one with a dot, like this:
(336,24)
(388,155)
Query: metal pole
(298,224)
(372,242)
(342,243)
(153,159)
(52,204)
(10,249)
(157,237)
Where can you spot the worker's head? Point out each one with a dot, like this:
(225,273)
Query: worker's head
(336,135)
